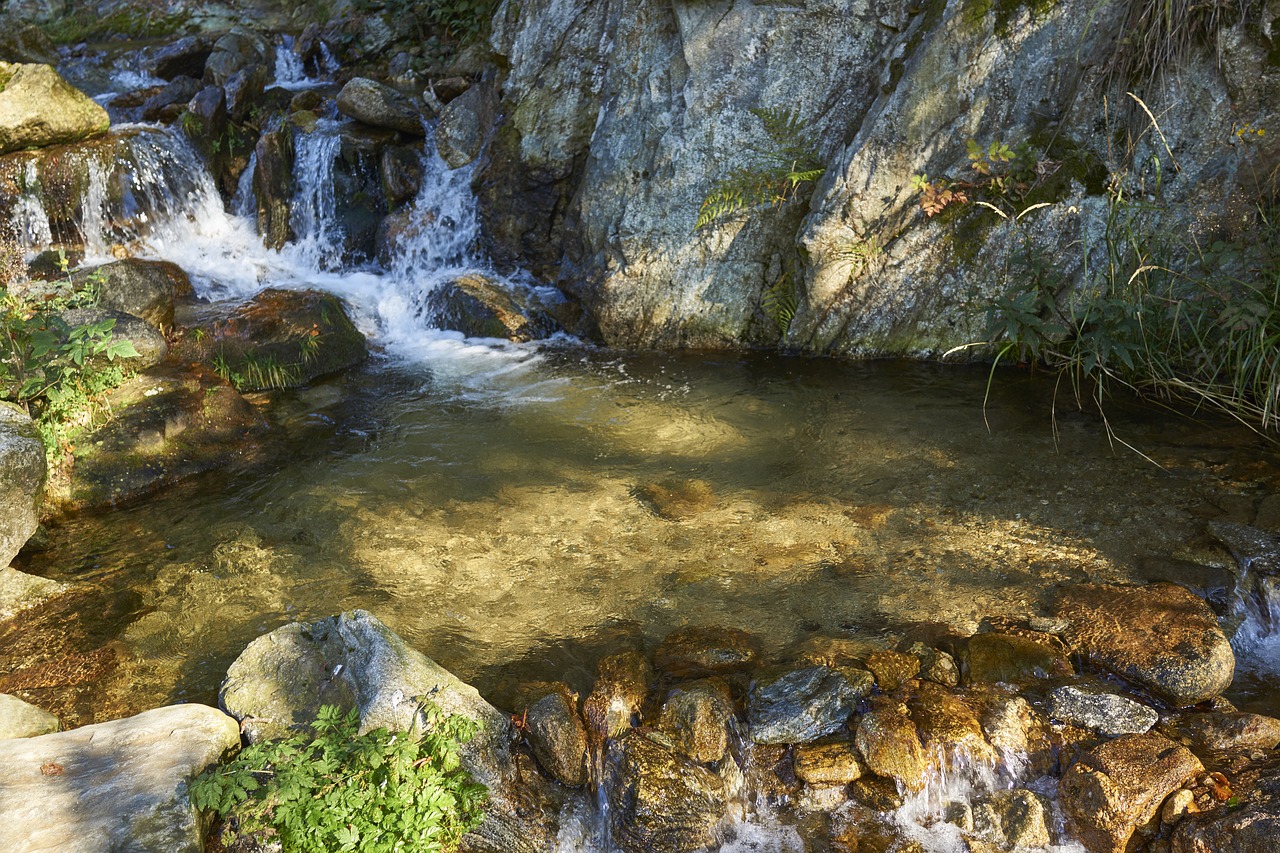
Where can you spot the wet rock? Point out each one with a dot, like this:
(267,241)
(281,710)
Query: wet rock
(236,51)
(1115,790)
(146,339)
(22,719)
(448,88)
(273,185)
(377,105)
(464,124)
(697,717)
(24,42)
(1224,731)
(676,500)
(936,666)
(277,339)
(185,57)
(112,786)
(878,793)
(802,705)
(166,104)
(1018,819)
(1252,825)
(482,307)
(22,479)
(167,423)
(892,669)
(997,657)
(554,730)
(243,90)
(354,661)
(1161,637)
(398,231)
(39,108)
(770,773)
(696,651)
(1106,713)
(145,289)
(1255,551)
(20,591)
(947,725)
(622,680)
(401,169)
(890,745)
(1017,733)
(659,802)
(837,763)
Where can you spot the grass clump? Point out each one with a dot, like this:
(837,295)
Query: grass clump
(336,790)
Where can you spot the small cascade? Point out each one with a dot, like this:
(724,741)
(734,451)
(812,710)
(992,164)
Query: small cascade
(243,203)
(320,236)
(289,71)
(1256,609)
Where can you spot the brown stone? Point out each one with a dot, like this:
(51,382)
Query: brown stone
(697,651)
(948,725)
(1011,658)
(697,716)
(556,734)
(622,680)
(892,669)
(890,745)
(835,763)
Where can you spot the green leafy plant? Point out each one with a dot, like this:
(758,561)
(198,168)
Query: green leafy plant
(999,176)
(779,302)
(781,174)
(337,790)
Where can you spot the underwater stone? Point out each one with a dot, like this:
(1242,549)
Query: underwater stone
(802,705)
(695,651)
(660,802)
(697,716)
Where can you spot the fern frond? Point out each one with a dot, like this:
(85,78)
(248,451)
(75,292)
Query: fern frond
(779,302)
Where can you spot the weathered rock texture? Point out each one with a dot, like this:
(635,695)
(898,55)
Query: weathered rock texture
(38,108)
(120,785)
(22,719)
(620,117)
(22,475)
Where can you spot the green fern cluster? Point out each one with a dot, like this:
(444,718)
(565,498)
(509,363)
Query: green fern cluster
(784,168)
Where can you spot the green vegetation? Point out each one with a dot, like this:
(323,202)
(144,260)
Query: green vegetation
(336,790)
(58,372)
(85,24)
(783,170)
(464,22)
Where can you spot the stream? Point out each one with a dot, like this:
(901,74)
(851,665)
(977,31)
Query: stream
(518,511)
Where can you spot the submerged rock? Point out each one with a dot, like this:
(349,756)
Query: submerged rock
(20,591)
(802,705)
(622,680)
(39,108)
(890,744)
(661,803)
(374,104)
(1117,789)
(1161,637)
(892,669)
(1106,713)
(1219,731)
(22,478)
(112,786)
(696,651)
(994,657)
(22,719)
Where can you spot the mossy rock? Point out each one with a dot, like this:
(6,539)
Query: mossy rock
(39,108)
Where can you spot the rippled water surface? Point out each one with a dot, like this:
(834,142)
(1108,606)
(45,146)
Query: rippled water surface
(517,514)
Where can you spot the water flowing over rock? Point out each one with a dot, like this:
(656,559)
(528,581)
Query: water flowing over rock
(696,651)
(1161,637)
(622,680)
(697,716)
(22,719)
(354,661)
(555,732)
(1105,713)
(482,307)
(1117,789)
(22,476)
(837,763)
(890,744)
(112,786)
(377,105)
(39,108)
(803,705)
(1018,819)
(661,803)
(892,669)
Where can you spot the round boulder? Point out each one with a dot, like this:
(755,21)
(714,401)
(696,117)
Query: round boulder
(39,108)
(370,102)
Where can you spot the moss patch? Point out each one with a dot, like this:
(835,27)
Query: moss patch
(976,12)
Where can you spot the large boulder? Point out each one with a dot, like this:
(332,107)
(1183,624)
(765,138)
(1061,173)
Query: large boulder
(374,104)
(1115,790)
(660,802)
(145,289)
(20,591)
(353,660)
(39,108)
(22,477)
(150,346)
(1161,637)
(120,785)
(484,307)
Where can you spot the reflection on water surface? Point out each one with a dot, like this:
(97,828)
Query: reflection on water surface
(518,515)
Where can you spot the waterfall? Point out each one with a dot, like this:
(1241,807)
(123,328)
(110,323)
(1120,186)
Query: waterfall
(319,235)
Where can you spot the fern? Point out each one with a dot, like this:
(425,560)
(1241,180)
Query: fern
(788,165)
(779,302)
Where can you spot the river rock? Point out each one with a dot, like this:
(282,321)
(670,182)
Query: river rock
(24,42)
(167,423)
(464,124)
(273,185)
(890,745)
(276,339)
(483,307)
(1106,713)
(377,105)
(1017,733)
(659,802)
(22,477)
(998,657)
(802,705)
(936,666)
(1115,790)
(696,651)
(244,90)
(835,763)
(354,661)
(169,102)
(1014,819)
(697,717)
(239,49)
(145,289)
(948,726)
(1161,637)
(1250,825)
(1220,731)
(892,669)
(185,57)
(554,730)
(112,786)
(20,591)
(401,170)
(22,719)
(1255,551)
(39,108)
(150,345)
(622,680)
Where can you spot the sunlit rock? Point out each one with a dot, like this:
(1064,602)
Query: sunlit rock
(1018,819)
(698,716)
(1161,637)
(660,802)
(483,307)
(804,704)
(892,669)
(120,785)
(1011,658)
(374,104)
(1116,789)
(1106,713)
(948,726)
(890,744)
(22,719)
(39,108)
(622,680)
(548,716)
(1218,732)
(1250,824)
(695,651)
(22,478)
(835,763)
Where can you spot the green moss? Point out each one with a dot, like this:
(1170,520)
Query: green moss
(85,25)
(1076,164)
(976,12)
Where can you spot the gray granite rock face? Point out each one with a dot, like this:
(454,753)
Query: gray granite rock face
(22,476)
